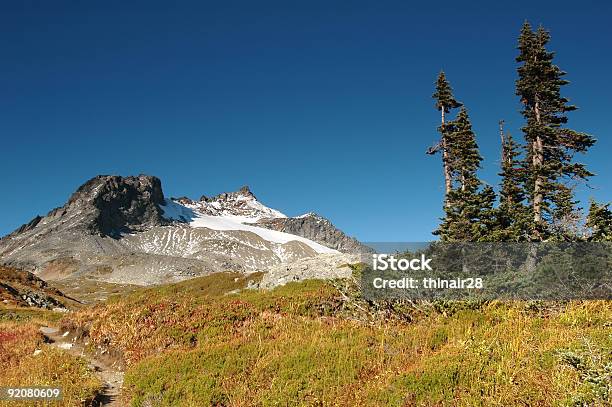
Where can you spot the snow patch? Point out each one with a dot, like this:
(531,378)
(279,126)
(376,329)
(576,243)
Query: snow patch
(175,211)
(192,216)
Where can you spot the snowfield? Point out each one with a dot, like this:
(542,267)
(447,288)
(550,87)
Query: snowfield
(196,219)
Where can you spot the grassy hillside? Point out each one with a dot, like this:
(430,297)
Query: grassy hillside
(206,342)
(26,361)
(21,288)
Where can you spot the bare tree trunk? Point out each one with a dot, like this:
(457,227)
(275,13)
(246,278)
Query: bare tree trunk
(503,141)
(505,156)
(447,175)
(445,163)
(537,161)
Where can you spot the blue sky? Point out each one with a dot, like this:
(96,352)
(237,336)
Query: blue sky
(319,106)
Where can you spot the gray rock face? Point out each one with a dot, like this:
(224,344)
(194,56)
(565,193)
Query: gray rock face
(244,192)
(120,205)
(324,266)
(317,228)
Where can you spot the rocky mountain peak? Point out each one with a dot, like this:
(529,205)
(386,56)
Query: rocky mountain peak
(314,216)
(119,204)
(241,203)
(105,188)
(246,191)
(106,205)
(242,193)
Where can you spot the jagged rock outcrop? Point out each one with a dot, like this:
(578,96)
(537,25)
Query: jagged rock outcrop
(22,288)
(120,204)
(317,228)
(29,226)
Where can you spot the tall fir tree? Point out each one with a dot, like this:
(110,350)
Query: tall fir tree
(550,147)
(511,214)
(599,220)
(445,102)
(469,212)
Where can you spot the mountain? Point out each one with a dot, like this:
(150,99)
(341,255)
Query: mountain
(124,230)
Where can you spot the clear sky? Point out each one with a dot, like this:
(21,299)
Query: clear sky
(319,106)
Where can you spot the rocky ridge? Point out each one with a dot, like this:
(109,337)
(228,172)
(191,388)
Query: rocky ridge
(22,288)
(317,228)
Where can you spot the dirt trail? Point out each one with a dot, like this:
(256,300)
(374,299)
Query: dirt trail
(111,376)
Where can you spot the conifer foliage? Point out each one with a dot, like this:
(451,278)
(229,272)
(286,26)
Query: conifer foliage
(550,146)
(512,214)
(536,199)
(599,221)
(469,208)
(445,102)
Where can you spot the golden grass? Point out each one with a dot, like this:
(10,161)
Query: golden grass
(192,345)
(51,367)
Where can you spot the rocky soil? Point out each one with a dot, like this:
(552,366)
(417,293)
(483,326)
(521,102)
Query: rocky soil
(109,372)
(22,288)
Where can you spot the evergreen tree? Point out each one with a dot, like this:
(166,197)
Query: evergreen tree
(511,215)
(445,102)
(550,146)
(599,220)
(464,156)
(487,223)
(567,218)
(564,203)
(511,192)
(469,212)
